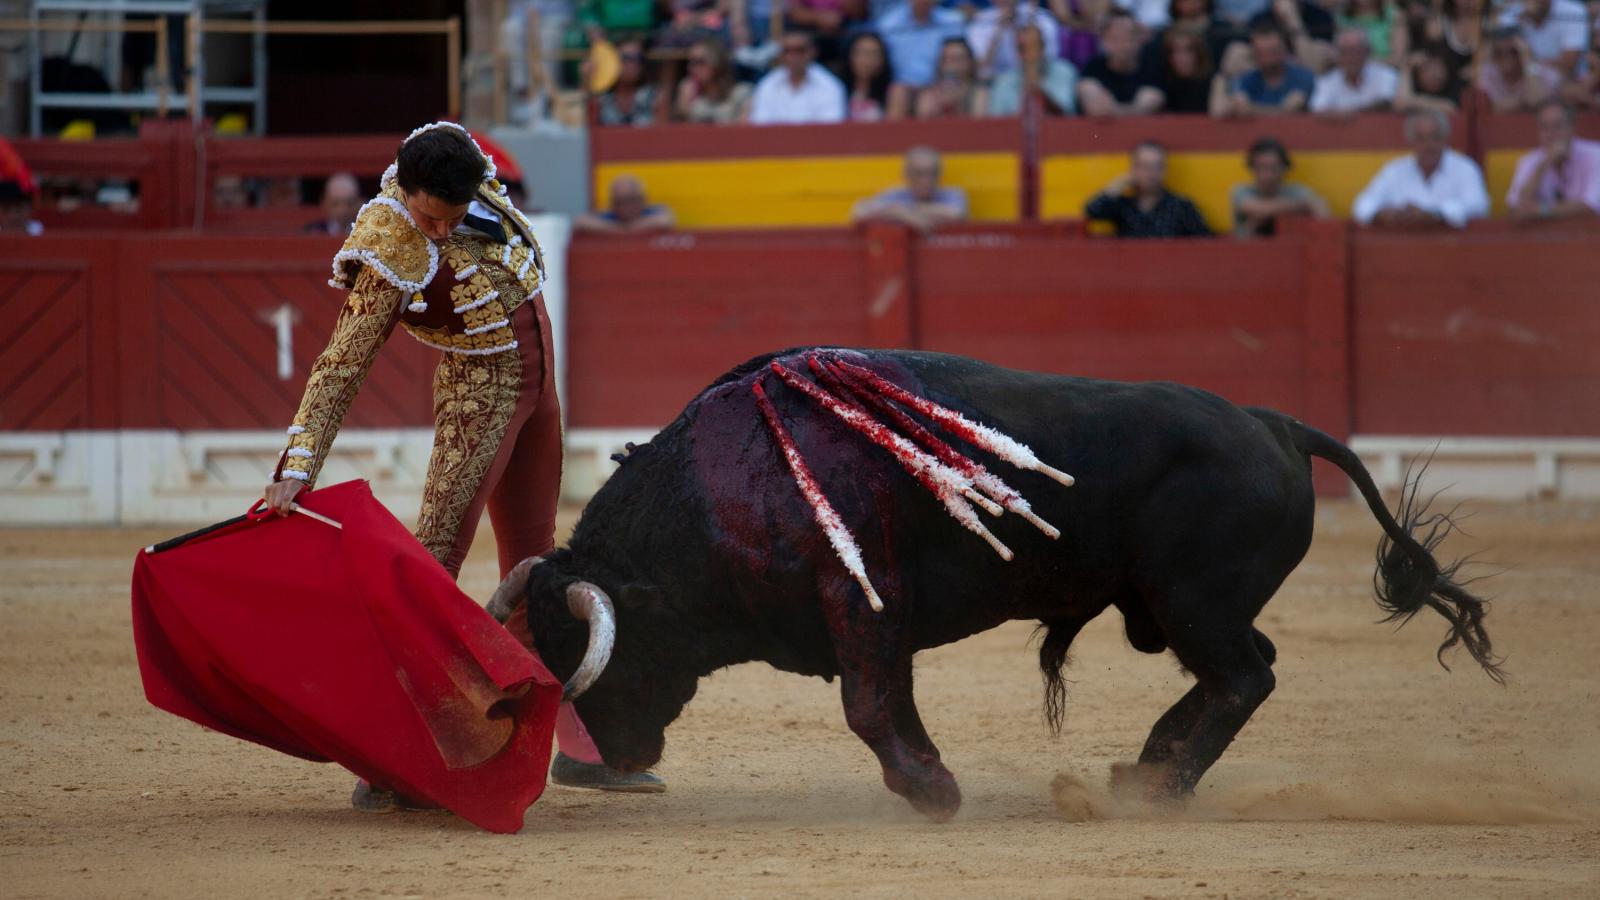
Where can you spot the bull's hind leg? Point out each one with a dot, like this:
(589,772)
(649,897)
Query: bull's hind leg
(1178,723)
(1233,678)
(875,685)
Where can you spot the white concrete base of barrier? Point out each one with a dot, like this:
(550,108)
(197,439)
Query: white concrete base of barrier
(149,477)
(1508,468)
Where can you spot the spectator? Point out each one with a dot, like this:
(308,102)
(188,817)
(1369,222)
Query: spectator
(611,17)
(1308,29)
(1375,19)
(629,212)
(16,209)
(1039,73)
(1357,83)
(873,93)
(17,193)
(1139,204)
(231,192)
(1461,31)
(1511,78)
(1193,16)
(692,21)
(1585,91)
(798,91)
(709,93)
(1433,185)
(341,199)
(1258,205)
(922,203)
(828,21)
(1428,84)
(1238,14)
(915,31)
(1117,82)
(1276,85)
(1152,15)
(993,34)
(956,91)
(632,100)
(1556,31)
(1078,38)
(1186,71)
(1560,179)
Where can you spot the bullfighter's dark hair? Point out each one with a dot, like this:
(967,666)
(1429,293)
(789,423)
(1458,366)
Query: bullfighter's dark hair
(443,162)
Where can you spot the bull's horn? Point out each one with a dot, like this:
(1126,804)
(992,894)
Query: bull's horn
(512,591)
(591,604)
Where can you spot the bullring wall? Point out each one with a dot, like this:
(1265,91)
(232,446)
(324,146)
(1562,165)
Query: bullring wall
(157,360)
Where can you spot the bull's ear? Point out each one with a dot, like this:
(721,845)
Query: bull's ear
(639,595)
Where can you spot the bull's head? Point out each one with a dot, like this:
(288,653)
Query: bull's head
(619,673)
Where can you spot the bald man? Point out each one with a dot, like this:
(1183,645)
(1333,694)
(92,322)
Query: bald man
(923,203)
(629,211)
(341,199)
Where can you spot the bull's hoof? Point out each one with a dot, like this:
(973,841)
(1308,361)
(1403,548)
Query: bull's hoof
(935,795)
(1151,783)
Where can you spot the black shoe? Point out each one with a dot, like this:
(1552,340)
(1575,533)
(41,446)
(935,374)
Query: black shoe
(569,772)
(370,799)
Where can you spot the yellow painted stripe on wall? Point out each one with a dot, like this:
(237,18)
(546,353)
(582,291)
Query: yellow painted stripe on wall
(1067,182)
(803,191)
(1499,167)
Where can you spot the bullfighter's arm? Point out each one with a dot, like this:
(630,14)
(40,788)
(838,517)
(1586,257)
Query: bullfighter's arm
(369,315)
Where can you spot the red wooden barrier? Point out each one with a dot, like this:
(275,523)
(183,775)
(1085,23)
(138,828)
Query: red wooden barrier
(1494,332)
(653,320)
(176,331)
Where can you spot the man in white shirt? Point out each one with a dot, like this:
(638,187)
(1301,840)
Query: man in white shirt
(1557,31)
(798,91)
(993,34)
(1356,83)
(1433,185)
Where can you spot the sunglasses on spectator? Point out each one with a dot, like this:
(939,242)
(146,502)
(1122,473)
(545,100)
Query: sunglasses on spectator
(633,57)
(699,61)
(795,49)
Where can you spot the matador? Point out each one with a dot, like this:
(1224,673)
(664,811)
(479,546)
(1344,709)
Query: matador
(442,252)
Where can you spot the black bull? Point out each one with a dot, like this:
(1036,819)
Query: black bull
(1187,515)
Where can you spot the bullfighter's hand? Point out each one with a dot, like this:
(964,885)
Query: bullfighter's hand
(279,495)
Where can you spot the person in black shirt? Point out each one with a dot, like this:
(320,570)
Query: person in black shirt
(1139,204)
(1117,83)
(1187,71)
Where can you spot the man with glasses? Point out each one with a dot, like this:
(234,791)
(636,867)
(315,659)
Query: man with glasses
(1560,179)
(798,91)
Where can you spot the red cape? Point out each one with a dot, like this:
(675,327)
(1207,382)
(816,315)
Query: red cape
(352,645)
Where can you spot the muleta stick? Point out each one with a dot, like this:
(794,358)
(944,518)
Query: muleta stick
(1003,446)
(840,381)
(844,544)
(950,486)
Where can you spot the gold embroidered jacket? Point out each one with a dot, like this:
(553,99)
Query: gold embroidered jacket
(456,296)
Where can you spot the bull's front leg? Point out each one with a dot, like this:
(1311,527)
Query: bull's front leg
(875,685)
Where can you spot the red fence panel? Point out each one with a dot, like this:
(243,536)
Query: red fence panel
(652,320)
(58,298)
(1223,315)
(1491,332)
(200,329)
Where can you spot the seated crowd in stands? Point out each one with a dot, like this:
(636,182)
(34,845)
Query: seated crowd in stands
(868,60)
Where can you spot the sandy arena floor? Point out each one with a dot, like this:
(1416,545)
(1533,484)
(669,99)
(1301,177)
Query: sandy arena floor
(1371,772)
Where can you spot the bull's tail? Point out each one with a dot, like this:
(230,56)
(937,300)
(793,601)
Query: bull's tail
(1408,577)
